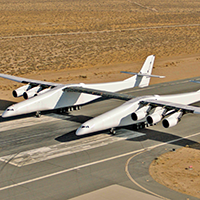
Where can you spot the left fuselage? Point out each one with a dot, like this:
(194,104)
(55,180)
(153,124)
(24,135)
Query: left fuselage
(58,97)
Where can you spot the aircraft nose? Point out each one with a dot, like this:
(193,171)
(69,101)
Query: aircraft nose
(82,130)
(9,112)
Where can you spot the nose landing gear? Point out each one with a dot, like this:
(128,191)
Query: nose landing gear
(113,131)
(38,114)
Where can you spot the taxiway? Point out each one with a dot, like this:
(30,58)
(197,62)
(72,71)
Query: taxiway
(42,158)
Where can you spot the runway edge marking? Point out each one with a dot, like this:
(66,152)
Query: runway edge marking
(93,163)
(49,152)
(30,121)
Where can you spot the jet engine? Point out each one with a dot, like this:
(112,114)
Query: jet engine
(156,116)
(172,120)
(32,92)
(20,91)
(140,113)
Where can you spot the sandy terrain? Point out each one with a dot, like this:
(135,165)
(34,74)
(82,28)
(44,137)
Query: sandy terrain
(92,33)
(174,68)
(179,170)
(91,41)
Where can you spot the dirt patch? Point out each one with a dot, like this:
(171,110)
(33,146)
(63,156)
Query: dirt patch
(42,36)
(179,170)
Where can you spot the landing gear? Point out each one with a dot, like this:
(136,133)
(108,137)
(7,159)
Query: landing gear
(68,109)
(140,125)
(38,114)
(113,131)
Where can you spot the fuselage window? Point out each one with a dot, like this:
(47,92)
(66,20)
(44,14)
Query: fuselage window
(85,127)
(10,109)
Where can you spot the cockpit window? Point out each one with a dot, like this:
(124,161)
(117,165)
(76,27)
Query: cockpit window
(85,127)
(10,109)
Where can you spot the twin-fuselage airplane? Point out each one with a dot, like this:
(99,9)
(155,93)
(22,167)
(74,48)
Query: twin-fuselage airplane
(142,111)
(42,96)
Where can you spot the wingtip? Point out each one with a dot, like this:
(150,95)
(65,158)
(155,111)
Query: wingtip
(194,81)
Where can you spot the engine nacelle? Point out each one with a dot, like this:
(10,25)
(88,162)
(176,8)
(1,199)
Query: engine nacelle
(156,116)
(172,120)
(32,92)
(140,113)
(20,91)
(43,91)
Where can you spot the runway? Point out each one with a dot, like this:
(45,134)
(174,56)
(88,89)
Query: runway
(44,159)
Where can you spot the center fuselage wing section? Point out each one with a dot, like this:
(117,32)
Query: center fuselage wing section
(101,93)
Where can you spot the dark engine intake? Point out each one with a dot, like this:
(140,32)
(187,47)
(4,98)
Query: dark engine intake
(172,120)
(20,91)
(140,113)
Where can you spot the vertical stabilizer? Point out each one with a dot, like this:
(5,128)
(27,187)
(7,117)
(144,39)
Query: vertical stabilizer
(142,80)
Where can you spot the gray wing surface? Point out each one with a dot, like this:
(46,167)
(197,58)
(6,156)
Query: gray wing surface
(100,93)
(26,80)
(170,106)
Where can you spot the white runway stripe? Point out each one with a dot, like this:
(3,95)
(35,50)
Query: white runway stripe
(54,151)
(30,121)
(93,163)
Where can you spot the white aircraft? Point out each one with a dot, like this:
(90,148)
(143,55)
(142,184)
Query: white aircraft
(143,111)
(43,95)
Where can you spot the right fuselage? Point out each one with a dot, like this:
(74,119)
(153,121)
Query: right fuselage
(122,115)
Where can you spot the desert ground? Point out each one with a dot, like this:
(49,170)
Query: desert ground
(91,41)
(179,170)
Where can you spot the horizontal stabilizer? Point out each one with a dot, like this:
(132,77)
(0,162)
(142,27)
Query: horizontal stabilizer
(140,74)
(194,81)
(99,93)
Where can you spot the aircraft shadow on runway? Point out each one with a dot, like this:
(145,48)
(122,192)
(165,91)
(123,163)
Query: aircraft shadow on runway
(71,136)
(4,104)
(165,137)
(149,135)
(16,117)
(78,118)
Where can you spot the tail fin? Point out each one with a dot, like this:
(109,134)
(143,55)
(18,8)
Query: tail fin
(143,77)
(143,81)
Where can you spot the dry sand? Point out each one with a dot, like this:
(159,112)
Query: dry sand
(91,41)
(174,68)
(179,170)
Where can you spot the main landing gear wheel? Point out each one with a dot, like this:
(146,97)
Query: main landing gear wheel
(68,109)
(38,114)
(113,131)
(140,125)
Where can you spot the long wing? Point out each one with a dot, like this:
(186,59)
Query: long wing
(99,93)
(171,106)
(26,80)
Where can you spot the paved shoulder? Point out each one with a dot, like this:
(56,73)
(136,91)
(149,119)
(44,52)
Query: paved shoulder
(116,192)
